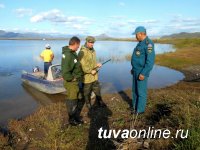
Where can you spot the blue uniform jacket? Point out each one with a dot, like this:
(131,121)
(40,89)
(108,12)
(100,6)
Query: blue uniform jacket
(143,57)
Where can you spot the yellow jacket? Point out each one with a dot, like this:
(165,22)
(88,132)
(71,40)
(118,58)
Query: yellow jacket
(47,55)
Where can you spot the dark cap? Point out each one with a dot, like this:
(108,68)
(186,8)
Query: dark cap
(90,39)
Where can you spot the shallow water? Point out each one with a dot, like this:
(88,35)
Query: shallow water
(17,100)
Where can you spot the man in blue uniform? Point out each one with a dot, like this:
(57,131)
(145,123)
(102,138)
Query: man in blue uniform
(142,62)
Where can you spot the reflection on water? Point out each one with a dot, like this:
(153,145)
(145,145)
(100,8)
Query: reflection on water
(119,79)
(5,74)
(42,98)
(18,101)
(121,51)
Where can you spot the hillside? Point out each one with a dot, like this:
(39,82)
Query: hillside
(11,35)
(182,35)
(31,35)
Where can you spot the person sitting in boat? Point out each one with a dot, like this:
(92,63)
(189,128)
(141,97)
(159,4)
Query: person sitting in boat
(47,56)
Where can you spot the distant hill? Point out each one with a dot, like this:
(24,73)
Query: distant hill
(102,36)
(11,35)
(183,35)
(30,35)
(4,34)
(106,37)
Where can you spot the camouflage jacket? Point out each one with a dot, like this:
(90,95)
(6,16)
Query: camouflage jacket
(88,62)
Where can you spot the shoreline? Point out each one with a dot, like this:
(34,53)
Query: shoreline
(131,39)
(46,39)
(175,106)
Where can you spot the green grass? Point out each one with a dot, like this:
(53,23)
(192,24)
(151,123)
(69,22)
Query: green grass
(187,54)
(181,43)
(192,143)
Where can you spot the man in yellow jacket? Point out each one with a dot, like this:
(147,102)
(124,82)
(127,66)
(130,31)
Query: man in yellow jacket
(47,56)
(87,57)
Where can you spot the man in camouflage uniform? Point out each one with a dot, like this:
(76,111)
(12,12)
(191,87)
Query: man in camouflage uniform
(72,74)
(87,57)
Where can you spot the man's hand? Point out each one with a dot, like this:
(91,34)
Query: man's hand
(99,65)
(93,72)
(141,77)
(41,57)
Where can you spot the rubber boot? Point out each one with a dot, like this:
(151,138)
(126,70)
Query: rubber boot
(100,101)
(71,108)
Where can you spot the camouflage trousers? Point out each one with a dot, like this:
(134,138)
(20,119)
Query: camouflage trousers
(88,88)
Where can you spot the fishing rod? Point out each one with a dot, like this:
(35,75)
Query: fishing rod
(106,61)
(95,68)
(102,64)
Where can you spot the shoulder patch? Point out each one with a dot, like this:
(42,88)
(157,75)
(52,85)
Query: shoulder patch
(75,61)
(149,50)
(137,52)
(63,56)
(150,47)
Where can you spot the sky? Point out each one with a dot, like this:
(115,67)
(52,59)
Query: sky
(116,18)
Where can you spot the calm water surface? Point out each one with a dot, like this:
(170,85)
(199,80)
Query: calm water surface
(17,100)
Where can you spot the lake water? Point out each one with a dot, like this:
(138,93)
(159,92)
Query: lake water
(17,100)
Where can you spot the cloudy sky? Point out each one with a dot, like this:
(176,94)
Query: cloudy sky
(117,18)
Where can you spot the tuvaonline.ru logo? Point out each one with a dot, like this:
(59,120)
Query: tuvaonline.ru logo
(149,133)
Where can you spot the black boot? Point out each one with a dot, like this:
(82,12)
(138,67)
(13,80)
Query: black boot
(100,101)
(78,110)
(79,120)
(72,121)
(80,105)
(72,111)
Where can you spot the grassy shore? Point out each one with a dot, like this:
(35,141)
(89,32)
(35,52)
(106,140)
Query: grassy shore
(187,54)
(174,107)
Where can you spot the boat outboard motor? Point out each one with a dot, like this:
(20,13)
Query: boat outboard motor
(36,69)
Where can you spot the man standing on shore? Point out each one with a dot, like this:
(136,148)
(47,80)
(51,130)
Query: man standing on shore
(142,62)
(72,74)
(87,57)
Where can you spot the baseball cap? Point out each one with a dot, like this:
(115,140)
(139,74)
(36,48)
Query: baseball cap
(47,46)
(139,29)
(90,39)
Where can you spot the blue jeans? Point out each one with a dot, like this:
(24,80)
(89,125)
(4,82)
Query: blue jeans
(46,67)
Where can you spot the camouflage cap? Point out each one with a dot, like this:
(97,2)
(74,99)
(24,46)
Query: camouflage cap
(90,39)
